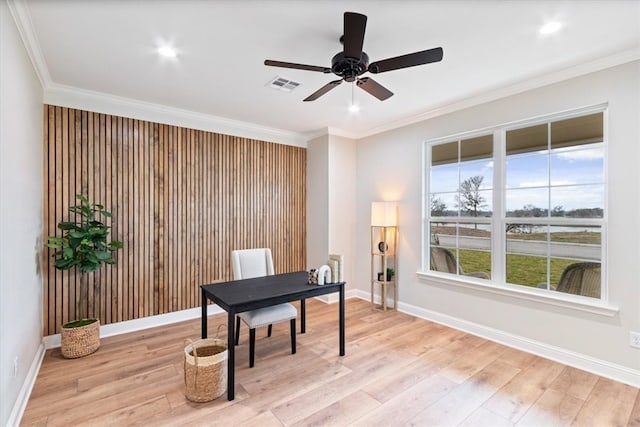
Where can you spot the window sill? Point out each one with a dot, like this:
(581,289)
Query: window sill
(529,294)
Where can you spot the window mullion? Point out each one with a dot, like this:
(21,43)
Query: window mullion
(498,235)
(457,251)
(548,205)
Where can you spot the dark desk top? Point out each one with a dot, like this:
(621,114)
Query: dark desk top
(250,294)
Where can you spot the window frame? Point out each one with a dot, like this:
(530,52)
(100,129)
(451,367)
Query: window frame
(459,219)
(498,220)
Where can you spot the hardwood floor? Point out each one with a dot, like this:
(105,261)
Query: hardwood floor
(399,370)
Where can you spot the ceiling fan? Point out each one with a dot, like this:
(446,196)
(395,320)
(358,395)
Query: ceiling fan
(352,62)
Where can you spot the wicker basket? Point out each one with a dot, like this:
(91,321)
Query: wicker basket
(205,369)
(80,341)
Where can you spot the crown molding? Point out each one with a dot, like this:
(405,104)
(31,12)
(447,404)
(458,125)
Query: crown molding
(316,133)
(523,86)
(330,131)
(56,94)
(67,96)
(20,12)
(343,133)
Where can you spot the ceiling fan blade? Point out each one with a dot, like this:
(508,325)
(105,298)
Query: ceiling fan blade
(354,26)
(409,60)
(324,89)
(374,88)
(281,64)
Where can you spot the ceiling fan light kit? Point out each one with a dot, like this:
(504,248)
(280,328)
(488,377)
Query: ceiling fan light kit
(352,62)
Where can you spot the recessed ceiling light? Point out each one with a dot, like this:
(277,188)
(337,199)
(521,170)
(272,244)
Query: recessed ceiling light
(550,28)
(167,52)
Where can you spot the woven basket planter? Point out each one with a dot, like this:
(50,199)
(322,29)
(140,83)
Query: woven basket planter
(80,341)
(205,369)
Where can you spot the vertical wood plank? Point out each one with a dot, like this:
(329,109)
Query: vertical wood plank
(137,241)
(144,212)
(59,287)
(181,199)
(115,230)
(64,193)
(108,202)
(49,212)
(120,222)
(101,191)
(74,279)
(87,285)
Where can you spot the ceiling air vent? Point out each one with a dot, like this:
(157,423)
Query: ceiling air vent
(283,84)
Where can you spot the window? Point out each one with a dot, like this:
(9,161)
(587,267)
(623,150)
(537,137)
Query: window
(460,206)
(520,206)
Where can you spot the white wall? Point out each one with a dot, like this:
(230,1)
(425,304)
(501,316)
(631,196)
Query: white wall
(20,214)
(389,167)
(317,201)
(331,202)
(342,202)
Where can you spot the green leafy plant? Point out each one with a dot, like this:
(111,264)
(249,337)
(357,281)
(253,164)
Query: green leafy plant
(390,273)
(84,243)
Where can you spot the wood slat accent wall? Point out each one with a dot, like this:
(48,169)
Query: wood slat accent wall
(181,200)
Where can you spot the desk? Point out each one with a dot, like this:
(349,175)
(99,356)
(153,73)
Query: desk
(250,294)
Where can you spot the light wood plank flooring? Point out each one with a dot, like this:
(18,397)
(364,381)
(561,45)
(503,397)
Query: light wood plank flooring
(399,370)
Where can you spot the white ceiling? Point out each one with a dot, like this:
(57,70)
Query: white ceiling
(109,47)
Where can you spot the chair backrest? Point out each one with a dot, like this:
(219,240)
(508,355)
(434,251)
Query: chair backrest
(581,278)
(249,263)
(443,260)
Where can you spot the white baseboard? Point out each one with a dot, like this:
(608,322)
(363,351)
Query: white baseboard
(333,298)
(577,360)
(25,391)
(53,341)
(376,298)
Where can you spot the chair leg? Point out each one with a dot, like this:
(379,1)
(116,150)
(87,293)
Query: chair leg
(237,330)
(293,336)
(269,329)
(252,347)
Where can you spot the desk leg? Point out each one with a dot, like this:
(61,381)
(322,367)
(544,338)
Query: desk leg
(342,352)
(203,327)
(303,316)
(231,354)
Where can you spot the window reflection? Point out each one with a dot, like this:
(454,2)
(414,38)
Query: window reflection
(461,178)
(531,202)
(444,178)
(571,166)
(527,171)
(461,249)
(578,201)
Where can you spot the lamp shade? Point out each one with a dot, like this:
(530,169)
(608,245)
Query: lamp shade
(384,214)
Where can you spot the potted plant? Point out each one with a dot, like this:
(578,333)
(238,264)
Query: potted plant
(390,274)
(83,245)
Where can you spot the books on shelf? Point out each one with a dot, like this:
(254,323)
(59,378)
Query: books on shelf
(336,263)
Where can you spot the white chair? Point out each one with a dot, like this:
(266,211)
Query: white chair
(249,263)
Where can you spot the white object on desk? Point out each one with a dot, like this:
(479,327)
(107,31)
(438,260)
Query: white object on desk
(324,274)
(336,262)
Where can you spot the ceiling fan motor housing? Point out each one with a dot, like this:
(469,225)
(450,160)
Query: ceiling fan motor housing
(349,68)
